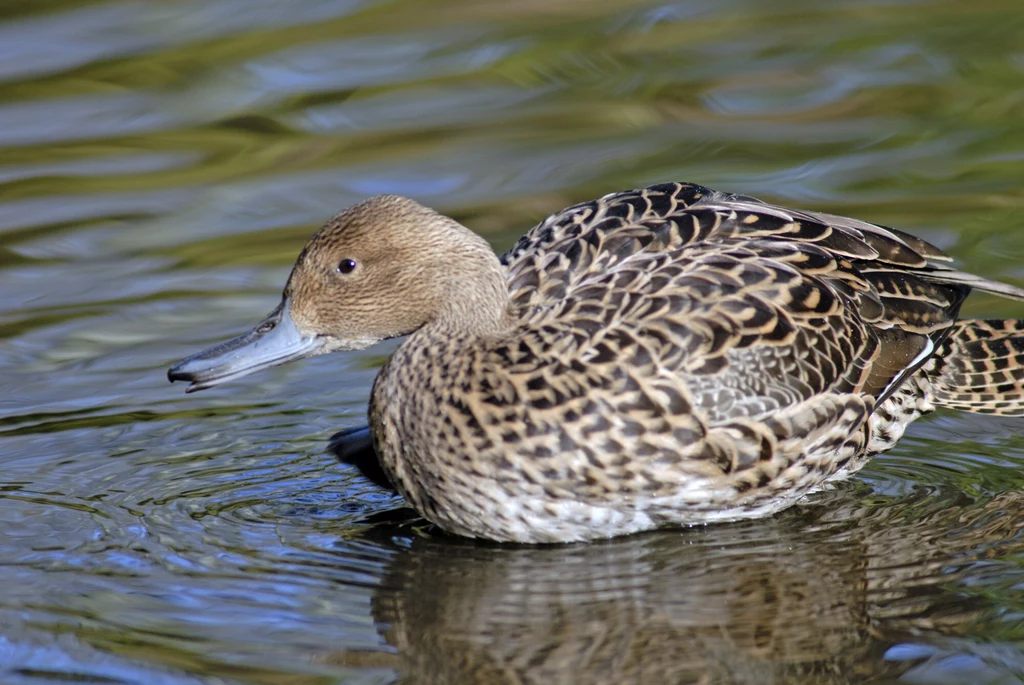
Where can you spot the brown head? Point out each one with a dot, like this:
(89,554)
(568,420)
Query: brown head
(382,268)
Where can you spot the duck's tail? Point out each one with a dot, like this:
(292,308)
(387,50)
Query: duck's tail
(980,368)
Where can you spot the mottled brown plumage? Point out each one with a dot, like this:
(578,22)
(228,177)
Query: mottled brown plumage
(671,355)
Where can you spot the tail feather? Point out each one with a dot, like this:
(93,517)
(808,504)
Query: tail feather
(976,282)
(980,368)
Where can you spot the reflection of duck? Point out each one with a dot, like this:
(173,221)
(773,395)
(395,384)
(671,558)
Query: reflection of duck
(671,355)
(820,595)
(638,611)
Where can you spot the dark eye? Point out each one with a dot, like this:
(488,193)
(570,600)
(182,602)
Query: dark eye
(346,266)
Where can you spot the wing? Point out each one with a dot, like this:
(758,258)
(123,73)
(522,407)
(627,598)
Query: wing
(755,306)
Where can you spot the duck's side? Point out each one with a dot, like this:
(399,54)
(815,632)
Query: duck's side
(671,355)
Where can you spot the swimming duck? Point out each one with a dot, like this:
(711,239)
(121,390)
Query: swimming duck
(665,356)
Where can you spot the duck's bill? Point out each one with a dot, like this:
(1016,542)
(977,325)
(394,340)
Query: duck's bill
(274,341)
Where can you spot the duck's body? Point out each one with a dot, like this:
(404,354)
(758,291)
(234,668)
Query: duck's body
(671,355)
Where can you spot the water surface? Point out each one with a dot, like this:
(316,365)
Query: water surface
(161,164)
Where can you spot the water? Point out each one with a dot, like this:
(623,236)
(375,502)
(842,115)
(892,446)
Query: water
(161,163)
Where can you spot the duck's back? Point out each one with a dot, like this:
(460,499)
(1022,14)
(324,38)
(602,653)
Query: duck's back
(681,356)
(758,307)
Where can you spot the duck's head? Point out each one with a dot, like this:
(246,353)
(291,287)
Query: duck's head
(382,268)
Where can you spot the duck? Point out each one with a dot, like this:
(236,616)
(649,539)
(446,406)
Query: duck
(659,357)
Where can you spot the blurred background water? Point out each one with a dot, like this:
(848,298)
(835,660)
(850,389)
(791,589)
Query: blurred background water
(161,164)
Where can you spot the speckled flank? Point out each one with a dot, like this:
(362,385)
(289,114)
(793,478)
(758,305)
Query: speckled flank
(664,356)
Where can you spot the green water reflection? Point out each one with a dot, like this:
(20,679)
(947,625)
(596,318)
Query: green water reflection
(161,163)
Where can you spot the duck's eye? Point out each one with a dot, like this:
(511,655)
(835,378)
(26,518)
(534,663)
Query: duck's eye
(346,266)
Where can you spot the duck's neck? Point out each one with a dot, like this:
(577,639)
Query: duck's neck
(476,298)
